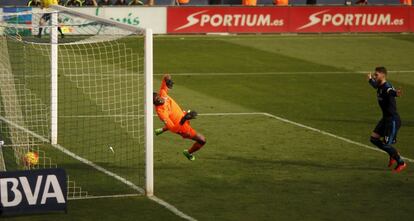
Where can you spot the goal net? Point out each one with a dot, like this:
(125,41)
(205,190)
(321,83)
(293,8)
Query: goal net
(81,101)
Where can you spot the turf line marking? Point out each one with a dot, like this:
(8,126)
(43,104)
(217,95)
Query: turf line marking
(279,73)
(329,134)
(107,196)
(170,207)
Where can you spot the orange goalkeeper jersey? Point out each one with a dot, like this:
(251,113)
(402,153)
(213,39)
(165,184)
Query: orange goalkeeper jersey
(170,112)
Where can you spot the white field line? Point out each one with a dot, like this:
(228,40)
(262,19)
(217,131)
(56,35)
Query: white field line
(279,73)
(229,74)
(107,196)
(308,128)
(305,127)
(329,134)
(170,207)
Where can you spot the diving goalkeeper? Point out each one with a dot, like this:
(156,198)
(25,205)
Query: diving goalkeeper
(175,119)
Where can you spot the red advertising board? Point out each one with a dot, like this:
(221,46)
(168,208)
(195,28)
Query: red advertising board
(412,19)
(349,19)
(289,19)
(226,19)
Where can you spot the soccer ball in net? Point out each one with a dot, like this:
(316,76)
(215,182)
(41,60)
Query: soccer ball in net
(31,159)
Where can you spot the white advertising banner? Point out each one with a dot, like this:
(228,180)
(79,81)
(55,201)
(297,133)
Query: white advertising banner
(143,17)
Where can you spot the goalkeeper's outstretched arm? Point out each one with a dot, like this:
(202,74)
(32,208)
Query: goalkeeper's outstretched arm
(166,84)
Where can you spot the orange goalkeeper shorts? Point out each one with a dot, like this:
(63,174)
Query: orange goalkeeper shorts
(186,131)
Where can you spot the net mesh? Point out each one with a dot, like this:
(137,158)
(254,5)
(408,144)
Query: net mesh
(100,100)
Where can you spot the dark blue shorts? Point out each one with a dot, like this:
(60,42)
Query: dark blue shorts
(388,129)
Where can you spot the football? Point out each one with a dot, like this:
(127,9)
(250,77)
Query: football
(31,159)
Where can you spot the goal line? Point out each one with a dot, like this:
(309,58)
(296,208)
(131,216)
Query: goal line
(141,191)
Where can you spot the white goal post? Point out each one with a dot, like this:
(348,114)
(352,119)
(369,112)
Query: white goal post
(148,72)
(149,124)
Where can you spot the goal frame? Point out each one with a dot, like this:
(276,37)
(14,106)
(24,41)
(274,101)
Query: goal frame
(148,76)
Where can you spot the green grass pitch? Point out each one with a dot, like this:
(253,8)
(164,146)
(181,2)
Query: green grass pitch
(256,167)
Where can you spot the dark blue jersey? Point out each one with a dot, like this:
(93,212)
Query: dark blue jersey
(386,94)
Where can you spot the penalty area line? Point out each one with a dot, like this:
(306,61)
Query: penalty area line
(278,73)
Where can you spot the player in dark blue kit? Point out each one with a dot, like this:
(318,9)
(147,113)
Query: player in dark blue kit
(385,133)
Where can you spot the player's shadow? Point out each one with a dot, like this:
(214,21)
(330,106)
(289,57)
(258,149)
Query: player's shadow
(283,163)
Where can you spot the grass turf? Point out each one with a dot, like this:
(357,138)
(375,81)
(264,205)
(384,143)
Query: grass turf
(258,168)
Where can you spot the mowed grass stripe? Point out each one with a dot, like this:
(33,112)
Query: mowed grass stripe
(341,53)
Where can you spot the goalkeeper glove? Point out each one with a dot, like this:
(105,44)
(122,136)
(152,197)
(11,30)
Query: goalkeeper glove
(159,131)
(188,116)
(169,82)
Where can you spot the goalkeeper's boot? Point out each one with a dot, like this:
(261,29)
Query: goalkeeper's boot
(158,131)
(400,167)
(391,162)
(188,155)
